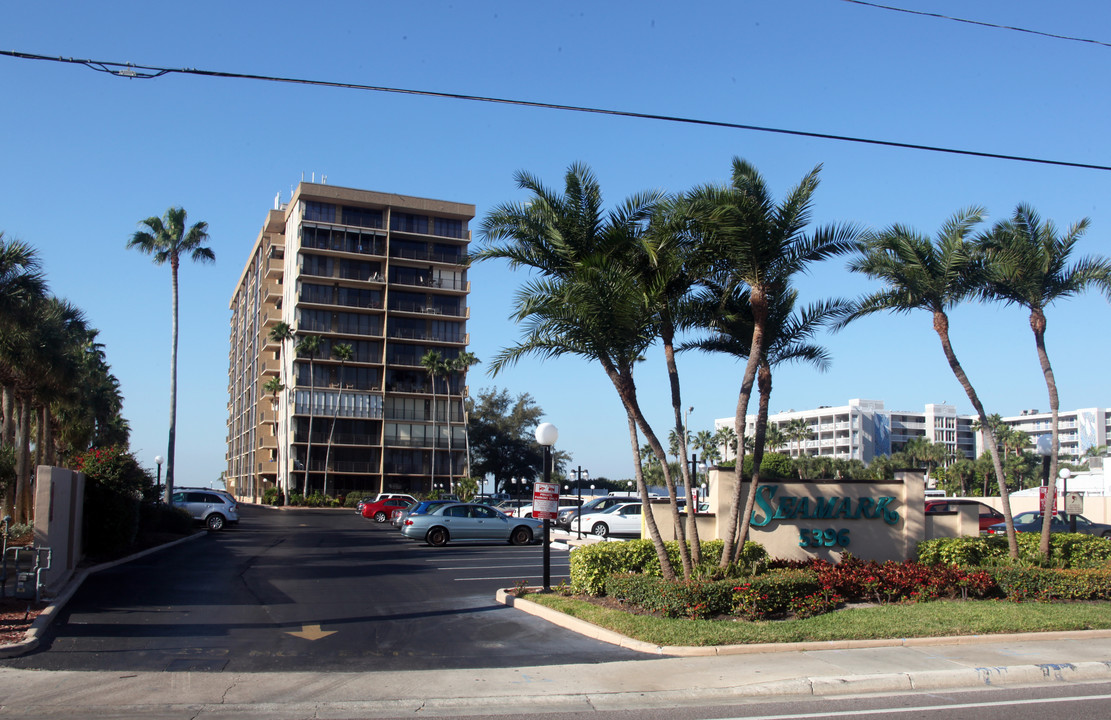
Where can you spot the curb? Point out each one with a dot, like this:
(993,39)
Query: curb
(32,637)
(596,632)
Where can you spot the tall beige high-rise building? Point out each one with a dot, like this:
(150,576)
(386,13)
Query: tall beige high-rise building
(380,279)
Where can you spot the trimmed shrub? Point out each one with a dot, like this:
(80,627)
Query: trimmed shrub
(592,565)
(770,594)
(1045,584)
(695,599)
(1066,550)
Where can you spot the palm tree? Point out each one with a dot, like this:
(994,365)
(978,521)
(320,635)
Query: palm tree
(726,439)
(1027,264)
(786,336)
(762,245)
(282,333)
(935,276)
(274,386)
(774,438)
(343,353)
(309,345)
(167,240)
(588,299)
(798,430)
(436,365)
(462,364)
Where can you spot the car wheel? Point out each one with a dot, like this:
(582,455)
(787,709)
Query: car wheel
(437,537)
(380,516)
(1107,534)
(215,521)
(521,536)
(600,529)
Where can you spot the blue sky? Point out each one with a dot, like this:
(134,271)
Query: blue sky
(85,156)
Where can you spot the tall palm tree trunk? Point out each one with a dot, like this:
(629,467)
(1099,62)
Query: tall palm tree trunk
(681,431)
(941,326)
(435,436)
(312,414)
(23,462)
(626,390)
(1037,324)
(666,570)
(171,441)
(764,381)
(732,539)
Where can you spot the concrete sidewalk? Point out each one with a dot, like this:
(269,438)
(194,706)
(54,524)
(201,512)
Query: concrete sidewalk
(663,682)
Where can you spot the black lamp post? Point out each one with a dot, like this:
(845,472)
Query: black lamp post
(546,435)
(158,462)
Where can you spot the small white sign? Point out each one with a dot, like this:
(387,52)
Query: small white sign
(545,500)
(1074,503)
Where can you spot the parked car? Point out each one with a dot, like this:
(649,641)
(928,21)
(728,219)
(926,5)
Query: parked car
(568,515)
(621,519)
(380,511)
(361,503)
(383,496)
(214,508)
(420,508)
(471,521)
(988,515)
(1031,521)
(512,507)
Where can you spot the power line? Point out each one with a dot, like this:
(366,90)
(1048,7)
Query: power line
(939,16)
(148,72)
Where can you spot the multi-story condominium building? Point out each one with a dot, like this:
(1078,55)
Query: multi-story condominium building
(380,281)
(863,429)
(1079,430)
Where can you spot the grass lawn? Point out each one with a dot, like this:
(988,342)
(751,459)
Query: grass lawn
(931,619)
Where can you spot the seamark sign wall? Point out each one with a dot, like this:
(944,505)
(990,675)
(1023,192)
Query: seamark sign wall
(802,519)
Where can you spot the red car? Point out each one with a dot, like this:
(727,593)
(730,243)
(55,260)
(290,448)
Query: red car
(988,515)
(380,511)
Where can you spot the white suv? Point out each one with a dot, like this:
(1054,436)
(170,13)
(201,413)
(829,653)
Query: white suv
(212,507)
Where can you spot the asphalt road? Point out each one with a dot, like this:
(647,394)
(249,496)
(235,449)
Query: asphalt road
(311,590)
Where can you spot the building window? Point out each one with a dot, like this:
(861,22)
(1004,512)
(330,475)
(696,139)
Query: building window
(320,212)
(406,222)
(362,217)
(448,228)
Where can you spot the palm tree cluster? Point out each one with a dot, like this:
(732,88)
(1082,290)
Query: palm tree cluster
(718,264)
(714,264)
(1020,260)
(59,397)
(438,366)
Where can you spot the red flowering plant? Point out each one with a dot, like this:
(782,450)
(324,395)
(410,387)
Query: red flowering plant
(116,469)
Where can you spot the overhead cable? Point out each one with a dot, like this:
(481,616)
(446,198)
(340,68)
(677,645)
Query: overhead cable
(148,72)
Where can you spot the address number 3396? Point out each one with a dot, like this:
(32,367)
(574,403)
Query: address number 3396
(815,537)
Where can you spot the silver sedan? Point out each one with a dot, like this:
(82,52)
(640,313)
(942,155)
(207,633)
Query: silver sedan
(471,521)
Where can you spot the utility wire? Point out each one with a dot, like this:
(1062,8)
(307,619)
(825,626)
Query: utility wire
(148,72)
(977,22)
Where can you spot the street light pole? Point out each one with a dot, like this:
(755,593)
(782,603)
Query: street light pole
(158,462)
(546,435)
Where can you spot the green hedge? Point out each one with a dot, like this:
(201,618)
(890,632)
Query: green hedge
(771,594)
(1045,584)
(592,565)
(1066,550)
(696,599)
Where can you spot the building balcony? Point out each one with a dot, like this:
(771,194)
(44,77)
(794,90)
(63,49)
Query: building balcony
(269,366)
(275,267)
